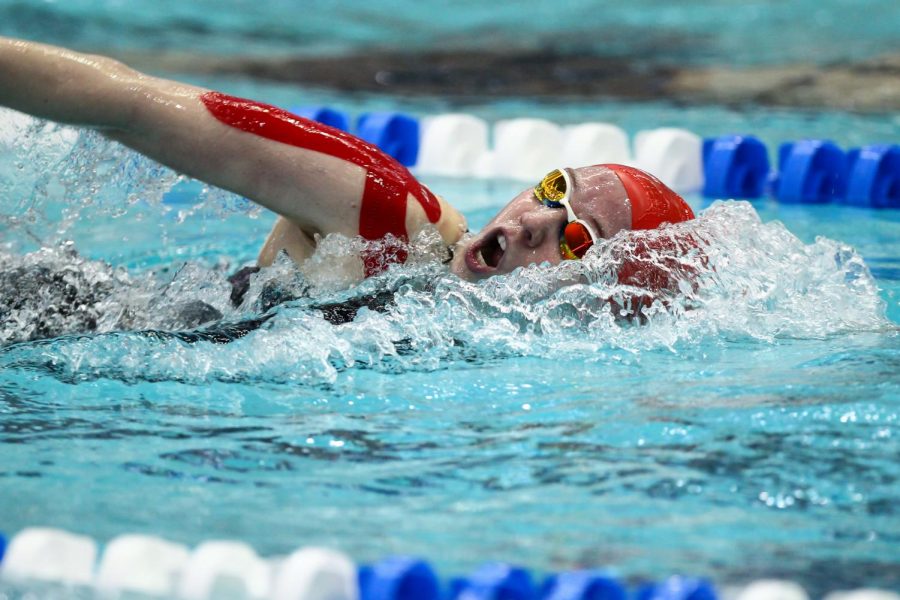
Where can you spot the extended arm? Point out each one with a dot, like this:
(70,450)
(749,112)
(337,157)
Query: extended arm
(177,125)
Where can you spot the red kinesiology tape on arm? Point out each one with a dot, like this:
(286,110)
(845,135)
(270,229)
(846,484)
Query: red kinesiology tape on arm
(388,183)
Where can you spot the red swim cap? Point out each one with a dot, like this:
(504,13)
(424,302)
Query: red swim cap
(652,202)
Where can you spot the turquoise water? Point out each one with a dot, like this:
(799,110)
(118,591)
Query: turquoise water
(749,429)
(692,31)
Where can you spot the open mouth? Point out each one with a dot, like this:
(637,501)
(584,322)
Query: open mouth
(493,249)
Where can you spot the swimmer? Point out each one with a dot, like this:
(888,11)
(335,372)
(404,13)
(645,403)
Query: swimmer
(320,180)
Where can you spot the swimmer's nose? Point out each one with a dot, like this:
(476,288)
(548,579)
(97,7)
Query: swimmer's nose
(540,223)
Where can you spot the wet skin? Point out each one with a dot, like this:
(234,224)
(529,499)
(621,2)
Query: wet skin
(527,232)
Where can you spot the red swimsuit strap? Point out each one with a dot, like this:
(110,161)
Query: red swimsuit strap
(383,208)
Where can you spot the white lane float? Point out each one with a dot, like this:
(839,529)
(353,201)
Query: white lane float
(772,589)
(526,149)
(50,555)
(141,563)
(594,143)
(452,145)
(316,574)
(674,155)
(224,569)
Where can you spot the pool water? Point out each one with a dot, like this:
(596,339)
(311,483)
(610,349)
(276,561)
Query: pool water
(690,32)
(748,428)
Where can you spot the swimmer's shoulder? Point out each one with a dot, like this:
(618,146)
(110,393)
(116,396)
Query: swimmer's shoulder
(451,224)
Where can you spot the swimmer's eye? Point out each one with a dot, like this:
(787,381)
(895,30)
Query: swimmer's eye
(577,235)
(552,188)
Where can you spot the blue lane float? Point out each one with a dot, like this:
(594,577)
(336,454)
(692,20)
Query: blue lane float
(395,133)
(398,578)
(735,166)
(324,115)
(153,567)
(582,585)
(810,172)
(493,581)
(678,588)
(873,176)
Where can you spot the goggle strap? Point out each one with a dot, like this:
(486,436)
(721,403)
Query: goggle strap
(570,214)
(590,230)
(571,217)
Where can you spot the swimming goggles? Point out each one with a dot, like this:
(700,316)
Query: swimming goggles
(577,235)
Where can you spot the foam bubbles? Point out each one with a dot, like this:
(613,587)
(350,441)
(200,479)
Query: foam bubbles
(722,277)
(53,178)
(727,277)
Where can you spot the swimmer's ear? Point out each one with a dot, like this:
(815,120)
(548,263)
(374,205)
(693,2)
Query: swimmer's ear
(647,266)
(657,266)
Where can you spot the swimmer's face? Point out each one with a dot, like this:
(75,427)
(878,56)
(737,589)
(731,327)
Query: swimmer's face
(527,232)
